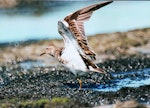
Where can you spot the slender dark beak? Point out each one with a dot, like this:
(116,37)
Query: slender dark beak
(42,53)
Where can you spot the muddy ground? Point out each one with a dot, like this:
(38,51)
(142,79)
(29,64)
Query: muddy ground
(25,76)
(50,82)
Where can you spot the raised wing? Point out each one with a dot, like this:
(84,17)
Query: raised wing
(88,10)
(76,25)
(84,14)
(71,46)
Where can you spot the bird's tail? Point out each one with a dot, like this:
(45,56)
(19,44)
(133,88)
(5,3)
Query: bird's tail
(98,69)
(91,66)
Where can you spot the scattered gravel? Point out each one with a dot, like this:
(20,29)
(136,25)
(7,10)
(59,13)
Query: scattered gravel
(49,82)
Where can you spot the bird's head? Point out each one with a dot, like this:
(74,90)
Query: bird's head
(50,50)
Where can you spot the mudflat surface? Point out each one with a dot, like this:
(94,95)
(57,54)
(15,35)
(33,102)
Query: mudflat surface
(129,80)
(24,75)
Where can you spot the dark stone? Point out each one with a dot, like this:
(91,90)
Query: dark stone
(44,82)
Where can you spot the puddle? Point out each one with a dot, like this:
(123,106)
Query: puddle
(143,50)
(29,64)
(127,79)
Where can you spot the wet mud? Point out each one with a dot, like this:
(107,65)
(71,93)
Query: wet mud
(129,79)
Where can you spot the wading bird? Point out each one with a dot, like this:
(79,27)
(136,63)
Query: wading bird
(76,53)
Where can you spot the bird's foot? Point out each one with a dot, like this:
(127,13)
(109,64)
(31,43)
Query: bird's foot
(80,83)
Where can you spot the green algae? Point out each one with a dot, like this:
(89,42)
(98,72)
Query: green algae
(60,100)
(41,103)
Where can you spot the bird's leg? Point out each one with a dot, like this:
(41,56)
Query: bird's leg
(80,82)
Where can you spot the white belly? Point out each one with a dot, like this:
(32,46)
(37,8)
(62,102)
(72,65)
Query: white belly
(71,55)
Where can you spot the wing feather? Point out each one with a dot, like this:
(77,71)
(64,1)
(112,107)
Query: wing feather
(85,13)
(81,27)
(76,25)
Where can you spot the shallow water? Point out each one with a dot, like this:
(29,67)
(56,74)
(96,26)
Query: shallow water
(133,79)
(120,79)
(118,16)
(46,82)
(143,51)
(126,79)
(31,64)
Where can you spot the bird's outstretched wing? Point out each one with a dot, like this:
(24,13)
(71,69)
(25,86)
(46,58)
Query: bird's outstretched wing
(76,25)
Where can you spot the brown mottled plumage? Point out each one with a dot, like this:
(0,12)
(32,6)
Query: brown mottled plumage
(76,53)
(54,51)
(76,26)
